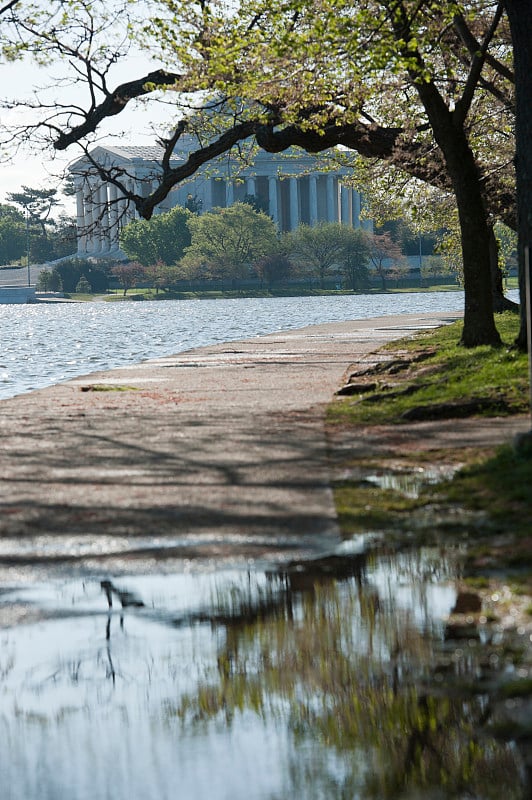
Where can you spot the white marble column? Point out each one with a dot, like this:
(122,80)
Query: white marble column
(367,224)
(96,217)
(114,225)
(229,193)
(344,196)
(294,203)
(313,199)
(356,209)
(88,226)
(80,218)
(251,187)
(208,195)
(272,196)
(332,216)
(130,205)
(104,219)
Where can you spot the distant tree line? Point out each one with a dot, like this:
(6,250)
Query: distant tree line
(242,242)
(28,229)
(228,246)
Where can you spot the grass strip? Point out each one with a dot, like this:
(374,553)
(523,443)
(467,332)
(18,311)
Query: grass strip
(487,503)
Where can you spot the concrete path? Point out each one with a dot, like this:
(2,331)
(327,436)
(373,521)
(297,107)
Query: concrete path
(216,452)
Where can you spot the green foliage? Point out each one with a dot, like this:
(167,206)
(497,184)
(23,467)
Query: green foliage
(409,240)
(227,242)
(273,267)
(16,233)
(449,248)
(12,236)
(63,237)
(164,277)
(356,255)
(83,286)
(10,212)
(434,266)
(507,242)
(129,275)
(386,258)
(96,273)
(49,281)
(330,248)
(193,204)
(41,249)
(38,203)
(162,239)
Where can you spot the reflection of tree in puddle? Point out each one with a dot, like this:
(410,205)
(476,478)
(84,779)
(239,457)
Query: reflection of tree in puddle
(360,687)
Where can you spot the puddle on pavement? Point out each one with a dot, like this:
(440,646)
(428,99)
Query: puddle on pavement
(409,483)
(325,679)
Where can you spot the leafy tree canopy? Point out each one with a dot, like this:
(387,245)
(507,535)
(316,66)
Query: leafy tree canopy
(228,241)
(327,246)
(162,239)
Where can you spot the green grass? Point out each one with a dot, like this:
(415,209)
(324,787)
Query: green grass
(488,502)
(452,374)
(150,294)
(502,485)
(107,387)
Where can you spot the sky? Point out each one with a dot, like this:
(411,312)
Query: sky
(32,167)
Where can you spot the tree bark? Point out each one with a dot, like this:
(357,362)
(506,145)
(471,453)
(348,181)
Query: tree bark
(520,18)
(500,302)
(449,131)
(479,325)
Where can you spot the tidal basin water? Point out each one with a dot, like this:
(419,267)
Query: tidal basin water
(44,344)
(329,678)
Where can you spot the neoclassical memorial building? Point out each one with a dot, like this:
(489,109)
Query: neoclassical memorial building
(293,188)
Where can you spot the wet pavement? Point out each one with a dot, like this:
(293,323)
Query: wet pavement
(218,451)
(179,616)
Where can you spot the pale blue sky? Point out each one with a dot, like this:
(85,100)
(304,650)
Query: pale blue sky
(32,166)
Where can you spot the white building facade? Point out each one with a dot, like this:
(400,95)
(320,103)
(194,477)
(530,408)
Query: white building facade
(293,188)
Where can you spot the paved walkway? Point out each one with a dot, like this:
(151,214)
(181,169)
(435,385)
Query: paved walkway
(214,452)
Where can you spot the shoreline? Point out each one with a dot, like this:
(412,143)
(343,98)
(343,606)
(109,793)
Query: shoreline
(222,448)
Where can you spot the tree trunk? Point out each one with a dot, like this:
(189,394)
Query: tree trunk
(520,18)
(479,325)
(500,302)
(449,132)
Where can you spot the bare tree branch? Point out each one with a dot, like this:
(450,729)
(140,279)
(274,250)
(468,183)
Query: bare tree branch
(477,63)
(473,46)
(114,103)
(8,6)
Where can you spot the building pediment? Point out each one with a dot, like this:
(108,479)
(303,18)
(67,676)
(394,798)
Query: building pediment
(129,158)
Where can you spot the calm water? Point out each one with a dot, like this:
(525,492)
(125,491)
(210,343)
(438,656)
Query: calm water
(328,679)
(45,344)
(325,680)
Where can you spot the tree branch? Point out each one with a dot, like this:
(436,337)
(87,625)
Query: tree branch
(114,103)
(8,6)
(477,63)
(174,175)
(473,46)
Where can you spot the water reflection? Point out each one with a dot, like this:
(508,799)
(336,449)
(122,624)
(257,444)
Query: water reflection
(338,678)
